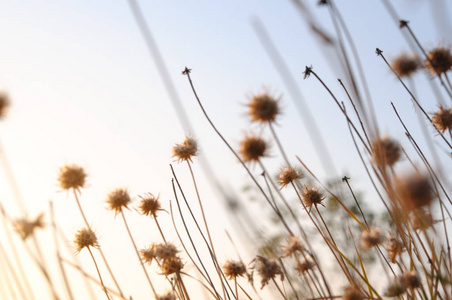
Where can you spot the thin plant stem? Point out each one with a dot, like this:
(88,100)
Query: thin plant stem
(58,252)
(160,229)
(98,273)
(218,269)
(138,254)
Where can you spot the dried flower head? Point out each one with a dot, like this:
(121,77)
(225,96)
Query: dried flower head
(148,254)
(294,245)
(4,104)
(287,175)
(305,265)
(85,237)
(414,191)
(405,65)
(252,148)
(171,266)
(395,248)
(439,58)
(150,205)
(263,108)
(396,288)
(117,199)
(411,279)
(186,149)
(312,196)
(167,296)
(71,176)
(442,119)
(267,269)
(166,251)
(421,220)
(233,269)
(352,292)
(25,227)
(371,238)
(385,152)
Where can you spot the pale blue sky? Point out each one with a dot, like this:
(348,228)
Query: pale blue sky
(84,90)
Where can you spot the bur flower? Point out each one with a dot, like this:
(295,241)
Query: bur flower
(252,148)
(150,205)
(312,196)
(352,292)
(118,199)
(414,191)
(167,296)
(85,237)
(385,152)
(149,254)
(185,150)
(294,245)
(4,104)
(263,108)
(395,248)
(439,58)
(71,176)
(26,227)
(288,175)
(267,269)
(442,119)
(405,65)
(305,265)
(233,269)
(371,238)
(171,266)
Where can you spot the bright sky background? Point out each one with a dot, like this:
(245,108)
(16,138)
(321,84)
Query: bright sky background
(85,90)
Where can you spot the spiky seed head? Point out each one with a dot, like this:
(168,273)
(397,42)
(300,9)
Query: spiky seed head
(441,58)
(4,104)
(396,288)
(411,279)
(414,191)
(371,238)
(442,119)
(166,251)
(252,148)
(385,152)
(71,176)
(233,269)
(167,296)
(287,175)
(352,292)
(421,220)
(118,199)
(312,196)
(305,265)
(263,108)
(185,150)
(26,227)
(405,65)
(149,254)
(267,269)
(395,248)
(150,205)
(171,266)
(294,245)
(85,237)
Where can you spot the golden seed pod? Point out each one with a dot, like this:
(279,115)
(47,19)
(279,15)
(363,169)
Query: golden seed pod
(71,176)
(186,149)
(85,237)
(118,199)
(442,119)
(405,65)
(414,191)
(263,108)
(252,148)
(4,104)
(385,152)
(439,58)
(233,269)
(287,175)
(371,238)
